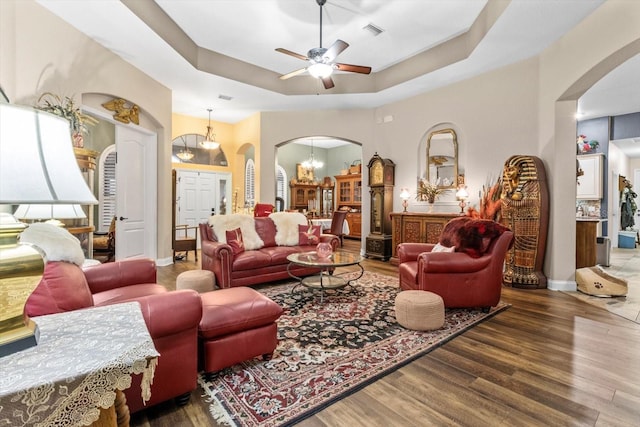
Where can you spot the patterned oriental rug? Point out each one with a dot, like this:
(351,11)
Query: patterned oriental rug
(326,351)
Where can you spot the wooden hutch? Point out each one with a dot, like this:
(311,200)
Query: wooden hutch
(349,196)
(302,193)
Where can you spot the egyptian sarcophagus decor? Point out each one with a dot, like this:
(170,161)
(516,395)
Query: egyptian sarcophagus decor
(525,210)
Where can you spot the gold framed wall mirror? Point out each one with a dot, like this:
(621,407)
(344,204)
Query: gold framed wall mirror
(442,158)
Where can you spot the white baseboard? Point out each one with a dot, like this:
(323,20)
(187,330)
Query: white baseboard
(562,285)
(163,262)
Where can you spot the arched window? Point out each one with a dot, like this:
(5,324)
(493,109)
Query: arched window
(281,185)
(250,183)
(107,188)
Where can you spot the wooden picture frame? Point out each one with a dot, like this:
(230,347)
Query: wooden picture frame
(304,175)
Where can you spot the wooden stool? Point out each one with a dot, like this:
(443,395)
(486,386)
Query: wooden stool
(199,280)
(419,310)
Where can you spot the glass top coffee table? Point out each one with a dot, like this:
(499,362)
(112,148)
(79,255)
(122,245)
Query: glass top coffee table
(326,279)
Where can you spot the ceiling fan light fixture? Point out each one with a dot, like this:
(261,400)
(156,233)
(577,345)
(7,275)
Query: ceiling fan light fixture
(210,138)
(320,70)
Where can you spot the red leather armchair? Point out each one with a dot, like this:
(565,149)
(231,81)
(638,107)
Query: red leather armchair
(65,287)
(461,280)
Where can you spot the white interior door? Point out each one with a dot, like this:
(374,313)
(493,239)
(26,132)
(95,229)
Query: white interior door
(136,193)
(198,196)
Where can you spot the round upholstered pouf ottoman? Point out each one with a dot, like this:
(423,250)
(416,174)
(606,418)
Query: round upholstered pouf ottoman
(198,280)
(420,310)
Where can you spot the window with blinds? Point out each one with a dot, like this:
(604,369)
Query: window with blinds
(249,183)
(107,176)
(281,185)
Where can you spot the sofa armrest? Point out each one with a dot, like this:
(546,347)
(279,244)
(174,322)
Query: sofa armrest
(450,263)
(184,305)
(410,251)
(112,275)
(218,258)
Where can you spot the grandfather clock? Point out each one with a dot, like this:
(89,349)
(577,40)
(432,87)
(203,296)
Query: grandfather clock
(381,181)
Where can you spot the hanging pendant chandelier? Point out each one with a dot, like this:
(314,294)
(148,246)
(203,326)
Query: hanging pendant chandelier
(311,162)
(210,138)
(185,154)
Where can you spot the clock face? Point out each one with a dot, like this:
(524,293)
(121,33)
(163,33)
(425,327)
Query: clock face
(376,174)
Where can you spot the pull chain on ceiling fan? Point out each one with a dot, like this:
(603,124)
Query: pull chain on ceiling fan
(320,59)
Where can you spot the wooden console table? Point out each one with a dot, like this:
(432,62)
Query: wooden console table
(83,361)
(416,227)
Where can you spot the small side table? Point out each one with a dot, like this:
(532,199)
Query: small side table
(82,362)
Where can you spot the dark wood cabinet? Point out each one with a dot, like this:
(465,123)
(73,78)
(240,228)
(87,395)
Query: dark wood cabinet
(417,227)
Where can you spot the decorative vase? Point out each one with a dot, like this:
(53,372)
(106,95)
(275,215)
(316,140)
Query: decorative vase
(324,250)
(430,207)
(78,139)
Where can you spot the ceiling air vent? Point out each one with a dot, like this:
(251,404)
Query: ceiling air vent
(373,29)
(225,97)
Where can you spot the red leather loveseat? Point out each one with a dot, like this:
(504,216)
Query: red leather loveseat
(264,264)
(171,317)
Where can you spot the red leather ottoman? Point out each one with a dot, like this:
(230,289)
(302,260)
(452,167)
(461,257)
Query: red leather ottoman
(237,324)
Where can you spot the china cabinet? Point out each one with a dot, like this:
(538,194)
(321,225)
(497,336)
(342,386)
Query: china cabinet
(349,197)
(301,194)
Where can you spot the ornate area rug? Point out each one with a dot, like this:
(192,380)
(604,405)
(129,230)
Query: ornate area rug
(326,351)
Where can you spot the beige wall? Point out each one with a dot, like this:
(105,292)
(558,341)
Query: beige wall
(41,53)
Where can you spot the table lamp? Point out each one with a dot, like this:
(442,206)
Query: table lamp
(404,195)
(37,166)
(51,213)
(462,195)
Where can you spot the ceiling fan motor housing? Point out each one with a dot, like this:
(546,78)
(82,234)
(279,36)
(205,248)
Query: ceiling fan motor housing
(317,54)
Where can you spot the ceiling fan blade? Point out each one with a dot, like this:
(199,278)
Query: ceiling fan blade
(293,73)
(288,52)
(353,68)
(335,50)
(327,82)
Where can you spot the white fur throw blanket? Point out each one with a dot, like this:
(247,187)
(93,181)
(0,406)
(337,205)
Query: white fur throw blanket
(56,242)
(287,227)
(223,223)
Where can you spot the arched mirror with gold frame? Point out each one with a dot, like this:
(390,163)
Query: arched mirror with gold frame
(442,158)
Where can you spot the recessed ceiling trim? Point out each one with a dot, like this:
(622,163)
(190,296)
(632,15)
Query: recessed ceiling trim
(441,55)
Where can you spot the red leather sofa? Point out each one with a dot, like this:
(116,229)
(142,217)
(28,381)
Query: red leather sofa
(470,280)
(251,267)
(65,287)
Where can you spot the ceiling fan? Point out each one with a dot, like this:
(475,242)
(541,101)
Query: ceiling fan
(321,60)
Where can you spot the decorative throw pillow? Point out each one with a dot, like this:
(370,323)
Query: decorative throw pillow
(234,239)
(439,248)
(308,235)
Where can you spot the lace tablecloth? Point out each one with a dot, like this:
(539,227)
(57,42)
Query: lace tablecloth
(82,357)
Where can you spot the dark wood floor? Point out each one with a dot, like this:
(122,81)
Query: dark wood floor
(549,360)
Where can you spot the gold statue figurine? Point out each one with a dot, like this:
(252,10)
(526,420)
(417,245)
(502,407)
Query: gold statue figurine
(525,210)
(123,113)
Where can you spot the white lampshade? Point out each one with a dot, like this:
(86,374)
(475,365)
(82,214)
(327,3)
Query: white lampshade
(37,164)
(462,193)
(49,212)
(404,194)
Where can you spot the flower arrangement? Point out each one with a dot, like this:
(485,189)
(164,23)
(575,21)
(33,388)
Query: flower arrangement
(490,203)
(428,191)
(67,108)
(585,146)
